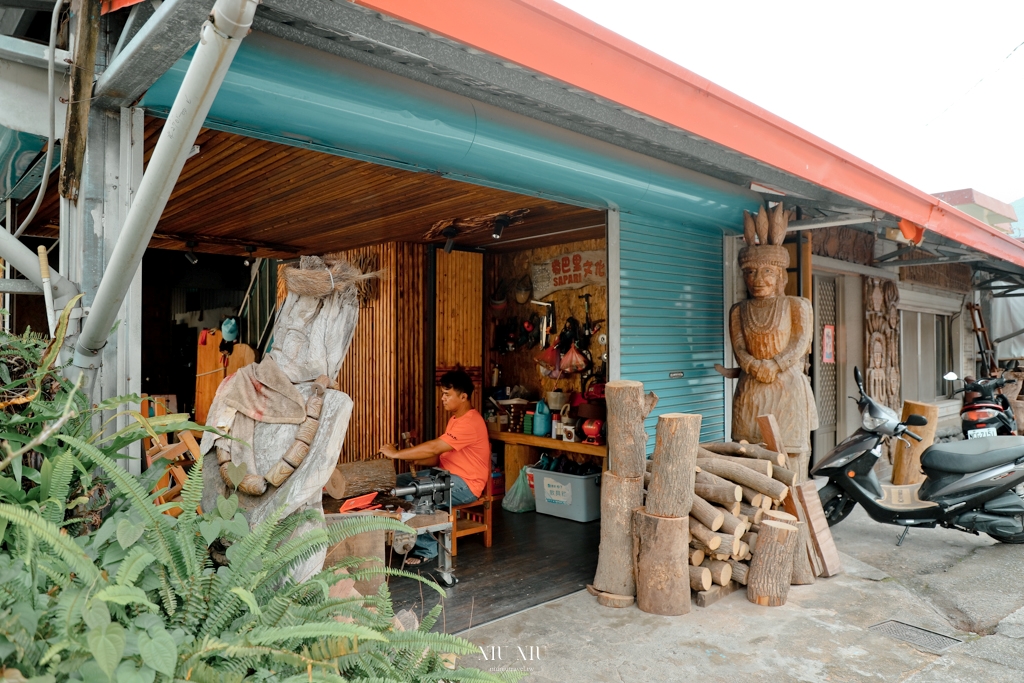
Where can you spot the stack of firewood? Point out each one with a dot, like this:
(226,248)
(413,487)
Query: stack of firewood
(708,517)
(753,525)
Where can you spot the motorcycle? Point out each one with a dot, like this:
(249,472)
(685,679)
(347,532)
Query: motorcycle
(975,486)
(985,413)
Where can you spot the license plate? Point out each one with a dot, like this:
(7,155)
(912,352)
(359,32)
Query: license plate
(981,433)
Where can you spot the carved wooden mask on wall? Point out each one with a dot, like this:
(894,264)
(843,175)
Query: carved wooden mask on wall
(882,341)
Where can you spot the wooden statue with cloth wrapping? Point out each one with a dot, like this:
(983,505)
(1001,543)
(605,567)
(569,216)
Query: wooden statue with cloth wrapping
(771,338)
(285,416)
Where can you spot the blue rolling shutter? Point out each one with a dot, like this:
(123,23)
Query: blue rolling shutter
(671,320)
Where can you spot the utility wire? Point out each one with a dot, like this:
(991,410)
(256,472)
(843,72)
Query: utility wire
(971,89)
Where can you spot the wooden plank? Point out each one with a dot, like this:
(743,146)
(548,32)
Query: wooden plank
(548,443)
(794,507)
(771,433)
(820,533)
(716,593)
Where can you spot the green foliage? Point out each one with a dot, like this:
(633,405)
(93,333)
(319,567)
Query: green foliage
(38,406)
(142,599)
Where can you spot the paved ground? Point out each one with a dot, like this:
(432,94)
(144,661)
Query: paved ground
(943,581)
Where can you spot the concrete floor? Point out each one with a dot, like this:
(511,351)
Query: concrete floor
(959,585)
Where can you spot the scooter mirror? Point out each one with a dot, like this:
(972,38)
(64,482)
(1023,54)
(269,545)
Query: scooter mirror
(950,377)
(858,378)
(916,421)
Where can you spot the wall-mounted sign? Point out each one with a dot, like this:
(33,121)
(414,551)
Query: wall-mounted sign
(569,271)
(676,374)
(828,344)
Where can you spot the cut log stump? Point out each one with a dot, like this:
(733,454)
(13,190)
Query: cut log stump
(628,406)
(673,464)
(662,564)
(700,578)
(771,568)
(620,496)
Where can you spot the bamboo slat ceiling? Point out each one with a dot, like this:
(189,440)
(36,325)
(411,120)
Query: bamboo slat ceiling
(240,191)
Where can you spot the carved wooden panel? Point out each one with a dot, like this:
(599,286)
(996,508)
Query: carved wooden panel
(882,341)
(845,244)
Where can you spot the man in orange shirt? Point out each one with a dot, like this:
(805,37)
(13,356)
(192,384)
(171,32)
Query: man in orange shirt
(464,450)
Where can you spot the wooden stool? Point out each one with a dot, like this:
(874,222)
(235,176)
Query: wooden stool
(178,456)
(472,518)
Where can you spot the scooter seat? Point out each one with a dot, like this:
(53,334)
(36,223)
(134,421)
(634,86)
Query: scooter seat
(972,455)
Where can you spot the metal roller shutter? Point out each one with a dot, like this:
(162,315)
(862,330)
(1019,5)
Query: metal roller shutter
(671,320)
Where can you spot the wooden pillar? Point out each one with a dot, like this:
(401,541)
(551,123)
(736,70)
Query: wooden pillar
(906,462)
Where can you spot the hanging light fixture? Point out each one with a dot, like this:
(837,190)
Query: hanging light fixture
(190,255)
(500,223)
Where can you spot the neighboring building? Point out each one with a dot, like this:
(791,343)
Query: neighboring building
(999,215)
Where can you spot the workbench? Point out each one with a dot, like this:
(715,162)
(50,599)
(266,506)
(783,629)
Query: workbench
(524,449)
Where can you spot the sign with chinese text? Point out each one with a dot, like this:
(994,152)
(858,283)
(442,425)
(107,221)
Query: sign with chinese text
(556,492)
(828,344)
(569,271)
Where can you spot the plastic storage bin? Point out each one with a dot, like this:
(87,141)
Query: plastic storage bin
(571,496)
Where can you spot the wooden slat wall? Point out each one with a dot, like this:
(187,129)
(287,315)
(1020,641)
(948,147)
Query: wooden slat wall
(520,367)
(209,373)
(410,273)
(370,368)
(460,323)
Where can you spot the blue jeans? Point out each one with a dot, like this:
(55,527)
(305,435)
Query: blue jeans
(426,546)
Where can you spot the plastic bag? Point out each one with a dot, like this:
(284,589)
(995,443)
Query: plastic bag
(573,361)
(519,498)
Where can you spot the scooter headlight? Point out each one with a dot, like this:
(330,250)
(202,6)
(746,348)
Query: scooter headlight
(870,422)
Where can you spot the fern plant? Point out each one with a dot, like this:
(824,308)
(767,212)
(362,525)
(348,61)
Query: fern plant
(141,599)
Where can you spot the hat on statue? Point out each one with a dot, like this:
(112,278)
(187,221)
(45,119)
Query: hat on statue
(764,235)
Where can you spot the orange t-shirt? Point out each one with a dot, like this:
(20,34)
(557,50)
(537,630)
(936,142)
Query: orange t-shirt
(471,454)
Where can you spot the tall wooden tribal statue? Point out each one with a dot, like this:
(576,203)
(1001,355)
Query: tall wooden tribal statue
(771,337)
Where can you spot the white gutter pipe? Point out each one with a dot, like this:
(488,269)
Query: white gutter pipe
(26,262)
(218,42)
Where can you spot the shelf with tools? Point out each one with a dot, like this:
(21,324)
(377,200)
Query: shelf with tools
(524,449)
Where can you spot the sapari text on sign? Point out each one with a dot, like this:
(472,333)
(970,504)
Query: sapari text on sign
(569,271)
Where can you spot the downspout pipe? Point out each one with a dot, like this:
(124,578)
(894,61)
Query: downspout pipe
(218,42)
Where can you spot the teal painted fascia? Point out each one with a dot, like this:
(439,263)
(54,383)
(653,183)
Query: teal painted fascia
(17,152)
(289,93)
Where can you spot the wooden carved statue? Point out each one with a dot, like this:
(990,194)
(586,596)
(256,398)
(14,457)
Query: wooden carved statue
(882,341)
(771,337)
(285,415)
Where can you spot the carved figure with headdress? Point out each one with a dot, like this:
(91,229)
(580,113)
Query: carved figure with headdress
(771,338)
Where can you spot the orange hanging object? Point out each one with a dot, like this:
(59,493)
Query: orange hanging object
(912,231)
(109,6)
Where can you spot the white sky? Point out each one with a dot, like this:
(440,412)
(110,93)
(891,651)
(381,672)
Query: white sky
(894,82)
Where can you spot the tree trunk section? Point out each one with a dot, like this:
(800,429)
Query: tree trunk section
(745,450)
(365,476)
(745,477)
(673,465)
(627,440)
(732,524)
(662,563)
(906,462)
(786,476)
(707,514)
(724,495)
(700,578)
(696,555)
(754,514)
(762,466)
(619,497)
(721,572)
(771,568)
(739,571)
(705,535)
(771,433)
(803,572)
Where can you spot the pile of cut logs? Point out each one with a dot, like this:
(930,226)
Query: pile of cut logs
(703,517)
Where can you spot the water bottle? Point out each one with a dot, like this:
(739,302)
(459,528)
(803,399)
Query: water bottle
(542,420)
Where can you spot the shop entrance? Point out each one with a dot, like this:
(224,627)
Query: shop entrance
(462,269)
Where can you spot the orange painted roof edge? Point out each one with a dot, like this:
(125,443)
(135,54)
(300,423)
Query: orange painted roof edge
(550,39)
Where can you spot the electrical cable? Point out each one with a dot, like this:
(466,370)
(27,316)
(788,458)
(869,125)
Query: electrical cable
(54,25)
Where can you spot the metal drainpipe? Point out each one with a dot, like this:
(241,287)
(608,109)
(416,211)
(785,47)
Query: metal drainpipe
(218,42)
(26,262)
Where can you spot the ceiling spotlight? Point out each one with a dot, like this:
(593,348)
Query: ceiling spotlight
(500,223)
(250,249)
(450,233)
(190,255)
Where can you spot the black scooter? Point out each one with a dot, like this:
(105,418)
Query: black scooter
(974,486)
(985,413)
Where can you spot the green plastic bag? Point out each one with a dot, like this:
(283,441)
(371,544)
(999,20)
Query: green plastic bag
(519,498)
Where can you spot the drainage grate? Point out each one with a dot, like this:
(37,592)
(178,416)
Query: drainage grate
(923,639)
